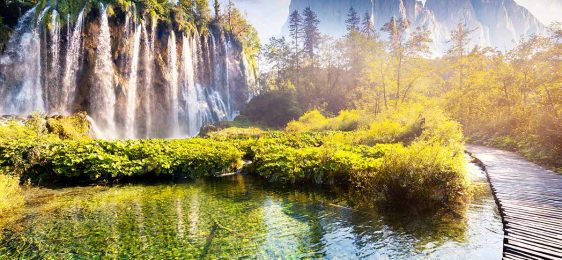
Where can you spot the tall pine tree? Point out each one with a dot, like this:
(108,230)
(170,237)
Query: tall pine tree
(353,21)
(311,33)
(217,6)
(368,26)
(296,32)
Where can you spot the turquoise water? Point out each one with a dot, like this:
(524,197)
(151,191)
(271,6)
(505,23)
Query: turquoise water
(240,217)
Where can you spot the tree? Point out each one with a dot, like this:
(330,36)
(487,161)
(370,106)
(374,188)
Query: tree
(311,33)
(460,38)
(276,53)
(353,21)
(202,11)
(416,49)
(296,32)
(368,26)
(217,7)
(229,8)
(397,38)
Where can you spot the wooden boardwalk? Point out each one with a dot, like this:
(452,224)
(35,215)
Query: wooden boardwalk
(530,202)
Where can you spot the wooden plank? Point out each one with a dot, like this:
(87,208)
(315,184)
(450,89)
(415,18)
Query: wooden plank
(530,202)
(539,242)
(535,250)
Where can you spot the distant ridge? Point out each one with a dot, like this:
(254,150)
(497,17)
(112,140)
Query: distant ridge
(497,23)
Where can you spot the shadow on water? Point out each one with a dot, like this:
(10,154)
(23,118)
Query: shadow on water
(239,216)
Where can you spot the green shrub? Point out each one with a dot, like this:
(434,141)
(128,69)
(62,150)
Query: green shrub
(422,173)
(10,194)
(423,164)
(69,127)
(273,108)
(347,120)
(109,160)
(234,133)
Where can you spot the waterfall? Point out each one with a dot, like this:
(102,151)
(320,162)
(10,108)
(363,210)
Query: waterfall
(52,91)
(248,74)
(191,105)
(41,15)
(130,129)
(103,92)
(218,106)
(132,84)
(173,84)
(71,66)
(148,47)
(21,92)
(226,75)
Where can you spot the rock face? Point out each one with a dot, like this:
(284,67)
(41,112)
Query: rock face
(134,76)
(497,23)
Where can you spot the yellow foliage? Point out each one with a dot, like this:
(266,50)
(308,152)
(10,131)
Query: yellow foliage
(10,194)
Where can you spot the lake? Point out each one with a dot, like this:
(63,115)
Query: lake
(241,217)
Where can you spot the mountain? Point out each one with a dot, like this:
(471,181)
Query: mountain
(496,23)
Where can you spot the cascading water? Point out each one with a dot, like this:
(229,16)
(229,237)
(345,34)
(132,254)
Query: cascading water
(131,77)
(52,93)
(226,77)
(173,84)
(22,61)
(130,129)
(71,65)
(103,92)
(148,50)
(191,106)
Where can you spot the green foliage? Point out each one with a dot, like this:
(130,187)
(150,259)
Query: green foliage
(109,160)
(90,160)
(326,164)
(347,120)
(234,133)
(273,109)
(69,127)
(427,166)
(421,173)
(10,194)
(428,169)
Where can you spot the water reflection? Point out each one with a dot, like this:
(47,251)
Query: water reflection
(241,217)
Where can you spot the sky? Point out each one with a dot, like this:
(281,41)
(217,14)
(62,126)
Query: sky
(268,16)
(547,11)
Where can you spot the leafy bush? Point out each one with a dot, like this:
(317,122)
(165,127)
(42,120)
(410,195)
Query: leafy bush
(424,164)
(347,120)
(273,109)
(321,165)
(69,127)
(420,173)
(109,160)
(10,193)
